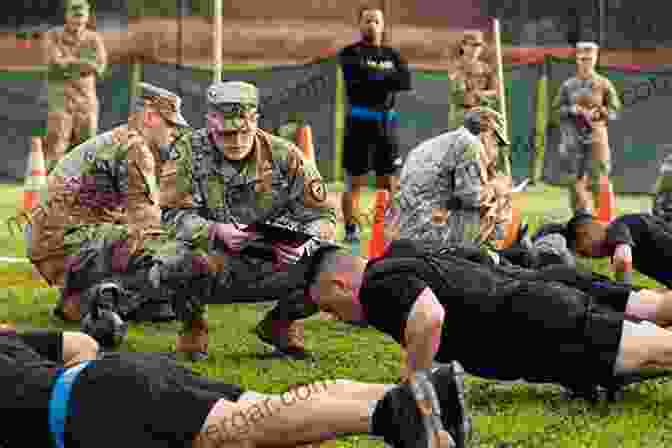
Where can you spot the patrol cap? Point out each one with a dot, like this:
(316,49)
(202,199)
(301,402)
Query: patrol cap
(473,117)
(77,8)
(235,99)
(587,47)
(168,104)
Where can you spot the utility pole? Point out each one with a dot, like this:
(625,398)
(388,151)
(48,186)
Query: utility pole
(602,14)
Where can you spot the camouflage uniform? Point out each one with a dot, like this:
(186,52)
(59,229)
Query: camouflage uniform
(103,200)
(213,189)
(581,142)
(467,80)
(662,202)
(449,194)
(73,105)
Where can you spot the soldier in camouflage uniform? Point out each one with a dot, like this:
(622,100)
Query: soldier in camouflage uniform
(452,189)
(104,195)
(473,81)
(586,102)
(235,174)
(75,57)
(662,202)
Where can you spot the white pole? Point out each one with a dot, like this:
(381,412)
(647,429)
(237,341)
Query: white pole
(500,72)
(217,43)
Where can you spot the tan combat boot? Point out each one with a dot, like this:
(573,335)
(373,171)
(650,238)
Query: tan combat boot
(69,307)
(284,335)
(193,344)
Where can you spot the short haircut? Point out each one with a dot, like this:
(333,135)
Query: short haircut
(572,227)
(368,7)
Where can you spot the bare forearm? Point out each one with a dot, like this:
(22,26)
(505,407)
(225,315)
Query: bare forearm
(423,332)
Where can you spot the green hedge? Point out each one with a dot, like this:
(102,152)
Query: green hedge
(162,8)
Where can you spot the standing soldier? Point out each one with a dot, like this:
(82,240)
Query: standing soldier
(662,202)
(75,57)
(452,189)
(473,81)
(586,103)
(235,174)
(374,73)
(104,192)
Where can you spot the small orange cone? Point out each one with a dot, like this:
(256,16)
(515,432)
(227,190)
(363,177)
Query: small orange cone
(377,242)
(607,201)
(304,140)
(36,176)
(512,230)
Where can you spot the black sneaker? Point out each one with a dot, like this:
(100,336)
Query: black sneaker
(351,233)
(448,381)
(398,419)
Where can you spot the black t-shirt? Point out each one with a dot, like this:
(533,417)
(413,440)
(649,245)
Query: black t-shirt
(492,316)
(373,75)
(651,240)
(28,363)
(388,293)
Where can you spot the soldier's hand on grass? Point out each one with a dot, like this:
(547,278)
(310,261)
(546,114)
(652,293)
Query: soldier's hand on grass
(328,231)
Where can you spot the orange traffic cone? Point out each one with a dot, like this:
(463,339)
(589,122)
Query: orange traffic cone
(377,242)
(36,176)
(512,230)
(607,201)
(304,140)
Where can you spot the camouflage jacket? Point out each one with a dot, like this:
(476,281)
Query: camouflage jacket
(449,196)
(111,178)
(73,87)
(662,202)
(593,94)
(209,188)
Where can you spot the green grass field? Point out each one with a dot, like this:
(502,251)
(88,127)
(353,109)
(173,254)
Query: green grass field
(519,414)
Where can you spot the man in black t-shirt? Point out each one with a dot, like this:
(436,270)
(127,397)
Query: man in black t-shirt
(146,399)
(374,73)
(596,333)
(638,240)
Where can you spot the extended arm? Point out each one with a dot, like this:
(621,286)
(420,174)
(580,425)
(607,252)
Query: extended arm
(423,332)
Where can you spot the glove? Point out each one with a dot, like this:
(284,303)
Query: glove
(287,254)
(230,235)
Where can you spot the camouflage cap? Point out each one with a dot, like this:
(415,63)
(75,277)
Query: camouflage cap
(168,104)
(77,8)
(473,118)
(237,100)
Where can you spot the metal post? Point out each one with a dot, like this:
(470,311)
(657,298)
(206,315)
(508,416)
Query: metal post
(180,43)
(217,44)
(602,14)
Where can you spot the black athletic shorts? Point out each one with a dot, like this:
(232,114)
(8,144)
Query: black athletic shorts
(545,333)
(371,145)
(140,399)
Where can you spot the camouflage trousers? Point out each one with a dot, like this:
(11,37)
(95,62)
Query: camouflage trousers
(587,160)
(65,130)
(248,277)
(159,266)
